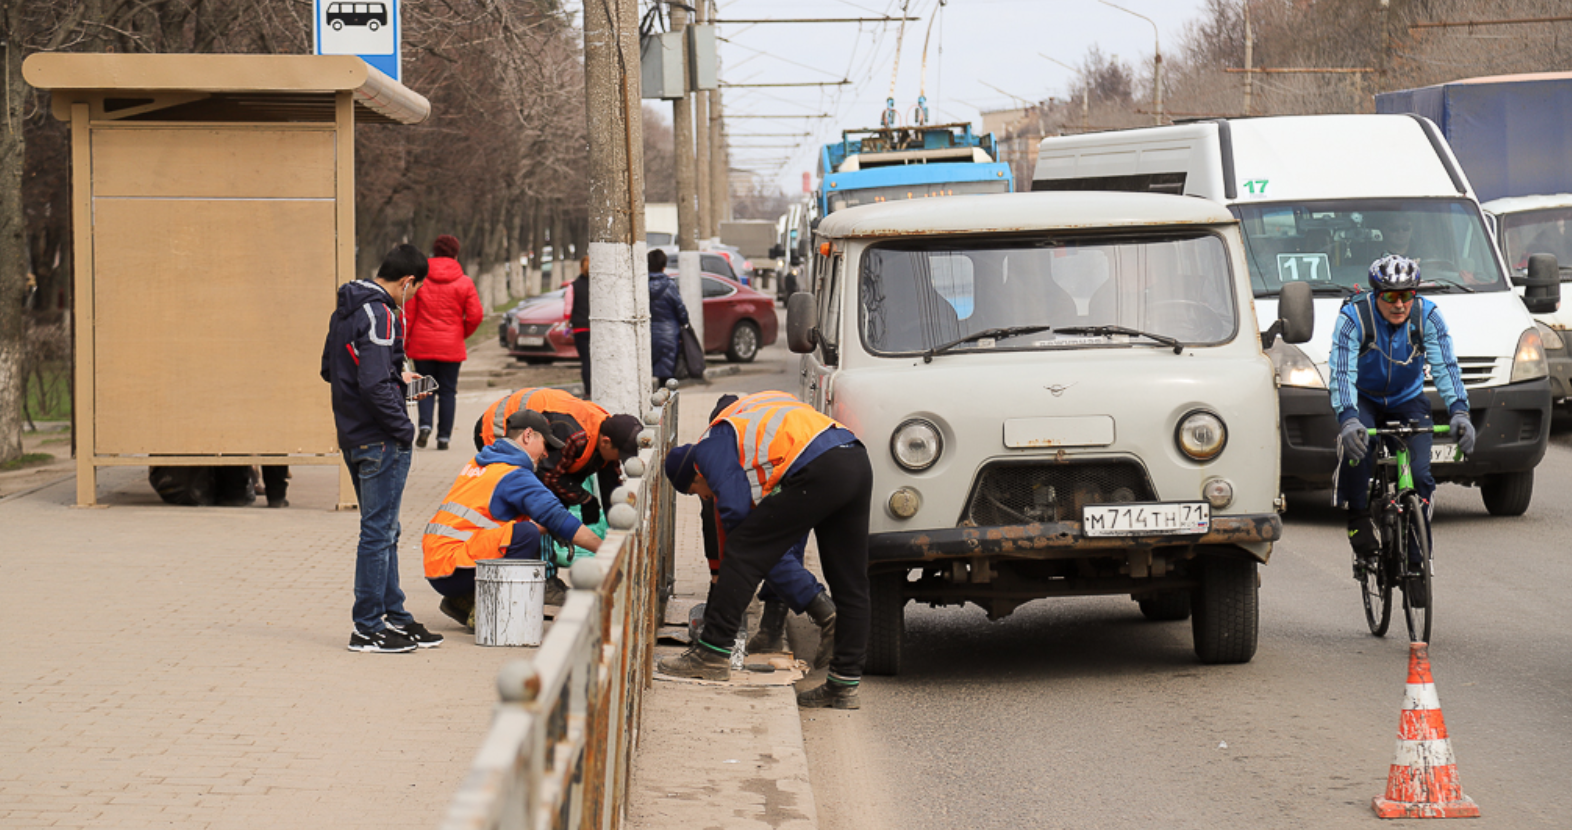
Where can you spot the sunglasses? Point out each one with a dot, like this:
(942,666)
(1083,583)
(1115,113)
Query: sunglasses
(1396,297)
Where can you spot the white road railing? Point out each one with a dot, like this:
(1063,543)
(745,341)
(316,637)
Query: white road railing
(559,752)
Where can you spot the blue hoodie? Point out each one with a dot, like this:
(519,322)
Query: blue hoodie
(363,358)
(520,495)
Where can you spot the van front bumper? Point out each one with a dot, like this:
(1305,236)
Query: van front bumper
(1513,423)
(1057,540)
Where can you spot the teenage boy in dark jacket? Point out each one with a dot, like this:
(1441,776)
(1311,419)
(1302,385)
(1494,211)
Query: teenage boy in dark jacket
(363,359)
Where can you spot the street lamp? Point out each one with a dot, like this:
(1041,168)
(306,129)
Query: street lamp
(1157,61)
(1086,89)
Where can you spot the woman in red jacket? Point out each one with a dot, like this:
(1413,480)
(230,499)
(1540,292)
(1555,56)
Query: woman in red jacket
(438,318)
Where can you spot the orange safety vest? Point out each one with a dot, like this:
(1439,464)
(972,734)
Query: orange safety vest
(463,529)
(773,428)
(589,416)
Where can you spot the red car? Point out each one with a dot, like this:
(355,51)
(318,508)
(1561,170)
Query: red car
(738,321)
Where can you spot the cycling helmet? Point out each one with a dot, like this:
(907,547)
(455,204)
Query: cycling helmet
(1394,273)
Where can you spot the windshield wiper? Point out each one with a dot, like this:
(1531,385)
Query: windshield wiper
(1107,330)
(1004,331)
(1323,288)
(1445,285)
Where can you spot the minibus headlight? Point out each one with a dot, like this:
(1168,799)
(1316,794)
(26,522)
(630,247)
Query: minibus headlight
(1293,367)
(1552,338)
(916,444)
(1201,435)
(1529,363)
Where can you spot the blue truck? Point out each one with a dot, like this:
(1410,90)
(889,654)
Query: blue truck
(884,164)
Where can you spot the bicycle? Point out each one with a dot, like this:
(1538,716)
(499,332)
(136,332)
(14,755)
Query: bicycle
(1399,518)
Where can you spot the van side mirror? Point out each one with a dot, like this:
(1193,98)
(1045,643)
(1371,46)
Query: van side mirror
(1542,285)
(802,322)
(1295,316)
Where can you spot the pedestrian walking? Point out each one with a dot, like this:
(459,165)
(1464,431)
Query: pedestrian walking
(362,359)
(579,323)
(445,312)
(667,317)
(776,469)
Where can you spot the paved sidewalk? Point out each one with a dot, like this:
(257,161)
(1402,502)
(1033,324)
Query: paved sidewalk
(186,667)
(716,756)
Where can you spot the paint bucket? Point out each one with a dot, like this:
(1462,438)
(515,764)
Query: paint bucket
(510,602)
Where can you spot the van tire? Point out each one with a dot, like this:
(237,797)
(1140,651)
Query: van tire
(887,628)
(1166,606)
(1508,494)
(1226,610)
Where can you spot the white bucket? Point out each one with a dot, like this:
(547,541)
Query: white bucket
(510,602)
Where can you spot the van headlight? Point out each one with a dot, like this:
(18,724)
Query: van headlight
(916,444)
(1293,367)
(1551,338)
(1201,435)
(1529,363)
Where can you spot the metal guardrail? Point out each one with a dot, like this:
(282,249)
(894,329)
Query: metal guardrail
(559,753)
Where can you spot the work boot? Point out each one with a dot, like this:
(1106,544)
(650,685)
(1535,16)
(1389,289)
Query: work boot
(834,694)
(822,612)
(556,591)
(460,609)
(771,636)
(701,661)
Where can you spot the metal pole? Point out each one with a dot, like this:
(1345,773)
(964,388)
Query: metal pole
(701,156)
(688,279)
(718,208)
(618,321)
(1157,61)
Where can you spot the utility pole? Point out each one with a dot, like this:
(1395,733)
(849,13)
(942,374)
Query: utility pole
(1249,79)
(690,283)
(619,282)
(701,156)
(720,173)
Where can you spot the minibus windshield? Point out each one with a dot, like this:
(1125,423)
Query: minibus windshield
(1547,231)
(1331,244)
(921,294)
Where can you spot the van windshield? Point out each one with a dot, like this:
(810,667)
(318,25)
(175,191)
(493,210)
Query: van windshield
(920,294)
(1547,231)
(1331,244)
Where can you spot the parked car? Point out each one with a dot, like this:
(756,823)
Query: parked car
(738,321)
(717,260)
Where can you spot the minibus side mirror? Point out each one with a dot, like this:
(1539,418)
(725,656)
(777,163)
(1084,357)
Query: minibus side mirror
(1295,316)
(1542,284)
(802,322)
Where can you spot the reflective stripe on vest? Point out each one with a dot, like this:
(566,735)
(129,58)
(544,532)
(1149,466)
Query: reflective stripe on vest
(464,515)
(773,429)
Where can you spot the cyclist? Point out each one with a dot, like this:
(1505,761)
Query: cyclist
(1381,344)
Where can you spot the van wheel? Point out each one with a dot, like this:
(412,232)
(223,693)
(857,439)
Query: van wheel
(1508,494)
(338,25)
(887,627)
(373,25)
(1226,610)
(1166,606)
(744,344)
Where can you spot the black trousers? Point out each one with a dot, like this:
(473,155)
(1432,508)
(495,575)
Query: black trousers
(582,344)
(829,496)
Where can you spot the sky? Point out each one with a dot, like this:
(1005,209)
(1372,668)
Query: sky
(980,55)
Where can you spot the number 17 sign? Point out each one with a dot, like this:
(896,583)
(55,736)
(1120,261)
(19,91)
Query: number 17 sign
(369,30)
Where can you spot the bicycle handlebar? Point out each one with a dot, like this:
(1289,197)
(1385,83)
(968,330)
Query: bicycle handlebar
(1406,430)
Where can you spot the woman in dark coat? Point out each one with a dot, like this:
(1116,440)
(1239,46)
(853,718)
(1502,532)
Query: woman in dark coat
(667,317)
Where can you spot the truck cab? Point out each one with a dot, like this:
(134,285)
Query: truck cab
(1062,394)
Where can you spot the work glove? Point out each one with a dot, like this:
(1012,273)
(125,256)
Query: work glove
(1353,439)
(1463,429)
(589,512)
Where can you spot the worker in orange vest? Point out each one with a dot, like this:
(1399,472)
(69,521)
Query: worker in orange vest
(497,508)
(594,442)
(776,469)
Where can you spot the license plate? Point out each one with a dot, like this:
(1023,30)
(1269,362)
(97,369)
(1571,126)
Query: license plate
(1443,453)
(532,341)
(1163,518)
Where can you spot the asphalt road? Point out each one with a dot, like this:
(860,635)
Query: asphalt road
(1081,714)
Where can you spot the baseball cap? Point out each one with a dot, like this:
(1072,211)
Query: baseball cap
(529,418)
(623,430)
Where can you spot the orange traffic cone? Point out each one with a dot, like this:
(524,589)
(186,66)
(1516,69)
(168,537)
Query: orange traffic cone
(1423,780)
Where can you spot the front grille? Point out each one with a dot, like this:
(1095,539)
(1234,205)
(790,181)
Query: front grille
(1476,371)
(1028,492)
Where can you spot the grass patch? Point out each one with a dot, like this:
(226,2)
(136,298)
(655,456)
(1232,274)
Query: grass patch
(27,460)
(48,392)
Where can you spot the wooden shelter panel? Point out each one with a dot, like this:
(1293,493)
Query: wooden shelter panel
(235,162)
(210,319)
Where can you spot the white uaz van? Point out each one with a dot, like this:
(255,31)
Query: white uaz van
(1541,224)
(1318,198)
(1062,394)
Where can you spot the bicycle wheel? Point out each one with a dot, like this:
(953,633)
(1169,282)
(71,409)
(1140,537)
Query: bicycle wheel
(1376,585)
(1415,542)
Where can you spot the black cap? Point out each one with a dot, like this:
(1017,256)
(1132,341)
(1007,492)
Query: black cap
(529,418)
(623,430)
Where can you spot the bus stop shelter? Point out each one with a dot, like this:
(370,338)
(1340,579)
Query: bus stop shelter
(213,202)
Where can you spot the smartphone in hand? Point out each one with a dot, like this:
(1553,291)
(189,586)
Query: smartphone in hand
(419,387)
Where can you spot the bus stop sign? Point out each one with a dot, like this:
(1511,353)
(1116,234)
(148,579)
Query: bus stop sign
(370,30)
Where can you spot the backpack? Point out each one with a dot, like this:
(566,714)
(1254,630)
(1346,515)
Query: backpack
(1364,309)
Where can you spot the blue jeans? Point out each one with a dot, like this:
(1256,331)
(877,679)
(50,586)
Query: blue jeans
(378,471)
(461,583)
(444,400)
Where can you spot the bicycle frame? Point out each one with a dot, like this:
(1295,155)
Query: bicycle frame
(1398,512)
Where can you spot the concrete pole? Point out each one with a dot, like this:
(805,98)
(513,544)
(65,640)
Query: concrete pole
(688,279)
(1249,77)
(617,273)
(701,158)
(720,210)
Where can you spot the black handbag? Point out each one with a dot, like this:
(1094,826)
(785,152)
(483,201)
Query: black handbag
(692,353)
